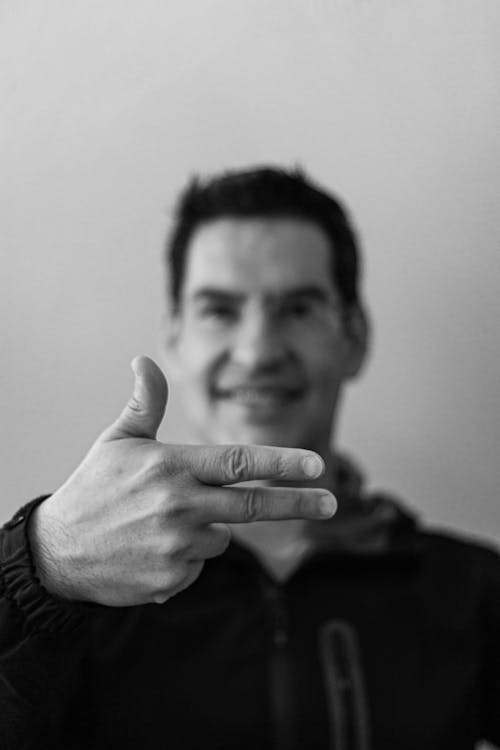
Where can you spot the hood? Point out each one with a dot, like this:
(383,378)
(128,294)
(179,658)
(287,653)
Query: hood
(365,523)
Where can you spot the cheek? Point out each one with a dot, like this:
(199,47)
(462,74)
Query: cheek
(325,358)
(199,358)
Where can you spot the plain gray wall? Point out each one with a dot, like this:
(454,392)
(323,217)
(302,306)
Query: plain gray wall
(107,108)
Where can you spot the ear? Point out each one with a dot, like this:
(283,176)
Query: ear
(357,330)
(169,339)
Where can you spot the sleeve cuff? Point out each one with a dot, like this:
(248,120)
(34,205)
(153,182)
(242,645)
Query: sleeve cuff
(40,610)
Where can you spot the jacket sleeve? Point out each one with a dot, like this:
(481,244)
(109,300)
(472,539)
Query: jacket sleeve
(42,642)
(491,650)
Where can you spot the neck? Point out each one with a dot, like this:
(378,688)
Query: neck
(279,545)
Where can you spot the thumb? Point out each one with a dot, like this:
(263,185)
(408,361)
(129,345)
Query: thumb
(145,409)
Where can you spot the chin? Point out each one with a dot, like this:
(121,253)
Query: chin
(252,435)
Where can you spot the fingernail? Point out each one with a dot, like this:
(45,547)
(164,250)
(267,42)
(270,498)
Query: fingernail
(312,466)
(327,506)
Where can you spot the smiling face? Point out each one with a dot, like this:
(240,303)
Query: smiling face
(259,342)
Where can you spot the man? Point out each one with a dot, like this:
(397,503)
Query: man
(124,624)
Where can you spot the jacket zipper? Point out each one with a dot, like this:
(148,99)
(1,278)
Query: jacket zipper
(345,688)
(280,672)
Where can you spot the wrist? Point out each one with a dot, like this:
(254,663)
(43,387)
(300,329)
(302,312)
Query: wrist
(51,565)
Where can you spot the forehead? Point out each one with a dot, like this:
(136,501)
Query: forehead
(258,255)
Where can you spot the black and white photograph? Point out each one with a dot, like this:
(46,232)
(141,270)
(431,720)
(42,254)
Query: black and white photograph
(250,314)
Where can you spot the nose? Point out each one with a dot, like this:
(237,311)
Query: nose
(258,343)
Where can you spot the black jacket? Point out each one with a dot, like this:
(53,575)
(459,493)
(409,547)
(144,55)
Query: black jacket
(395,649)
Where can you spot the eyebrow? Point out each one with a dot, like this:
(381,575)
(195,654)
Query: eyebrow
(214,293)
(310,291)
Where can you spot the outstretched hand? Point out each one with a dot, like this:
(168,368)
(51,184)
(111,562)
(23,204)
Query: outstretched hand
(137,519)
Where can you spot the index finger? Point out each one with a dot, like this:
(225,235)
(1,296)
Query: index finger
(229,464)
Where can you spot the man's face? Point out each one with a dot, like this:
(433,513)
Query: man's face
(260,345)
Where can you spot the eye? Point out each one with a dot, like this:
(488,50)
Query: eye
(218,311)
(298,309)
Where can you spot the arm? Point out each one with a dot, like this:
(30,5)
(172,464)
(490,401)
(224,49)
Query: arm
(41,645)
(132,525)
(137,519)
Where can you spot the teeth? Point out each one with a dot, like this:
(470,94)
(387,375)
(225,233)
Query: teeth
(258,396)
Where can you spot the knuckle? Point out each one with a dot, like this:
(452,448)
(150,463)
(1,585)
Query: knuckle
(171,504)
(302,506)
(197,567)
(253,504)
(172,579)
(152,464)
(161,465)
(175,549)
(177,577)
(177,580)
(280,466)
(161,597)
(238,463)
(134,405)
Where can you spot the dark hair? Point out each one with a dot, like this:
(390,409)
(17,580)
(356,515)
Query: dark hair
(264,192)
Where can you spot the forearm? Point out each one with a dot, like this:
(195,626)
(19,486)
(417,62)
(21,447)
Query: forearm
(41,646)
